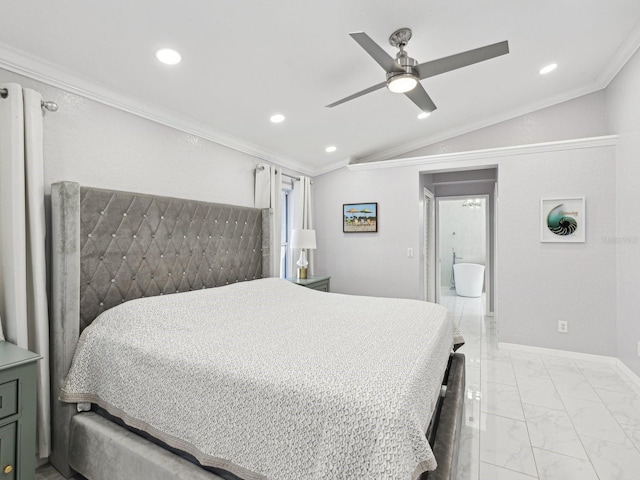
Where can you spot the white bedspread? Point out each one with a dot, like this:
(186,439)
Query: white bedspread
(270,380)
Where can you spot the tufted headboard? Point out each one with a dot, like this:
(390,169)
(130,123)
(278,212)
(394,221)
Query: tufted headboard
(109,247)
(134,245)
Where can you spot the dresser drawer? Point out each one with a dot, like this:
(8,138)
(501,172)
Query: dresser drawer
(8,399)
(8,452)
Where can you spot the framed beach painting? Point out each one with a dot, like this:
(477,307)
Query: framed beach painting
(562,220)
(360,217)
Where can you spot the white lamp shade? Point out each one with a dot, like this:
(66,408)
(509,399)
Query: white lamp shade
(303,238)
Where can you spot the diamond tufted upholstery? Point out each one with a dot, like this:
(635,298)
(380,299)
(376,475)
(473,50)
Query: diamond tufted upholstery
(134,245)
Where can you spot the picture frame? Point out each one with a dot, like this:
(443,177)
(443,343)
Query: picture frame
(563,220)
(360,217)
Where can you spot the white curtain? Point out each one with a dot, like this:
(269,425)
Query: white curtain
(268,190)
(23,295)
(303,213)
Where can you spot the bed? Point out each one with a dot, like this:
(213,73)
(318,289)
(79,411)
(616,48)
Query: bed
(117,255)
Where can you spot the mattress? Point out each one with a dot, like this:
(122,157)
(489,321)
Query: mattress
(269,380)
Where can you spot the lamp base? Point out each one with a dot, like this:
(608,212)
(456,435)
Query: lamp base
(302,272)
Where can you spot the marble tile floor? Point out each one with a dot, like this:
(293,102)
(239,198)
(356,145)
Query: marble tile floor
(544,417)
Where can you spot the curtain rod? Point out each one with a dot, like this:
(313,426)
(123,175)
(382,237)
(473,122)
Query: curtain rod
(261,167)
(51,106)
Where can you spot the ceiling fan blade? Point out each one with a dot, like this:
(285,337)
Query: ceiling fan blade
(385,60)
(421,98)
(459,60)
(359,94)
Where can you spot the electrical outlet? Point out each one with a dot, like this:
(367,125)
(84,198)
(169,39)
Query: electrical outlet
(563,326)
(410,252)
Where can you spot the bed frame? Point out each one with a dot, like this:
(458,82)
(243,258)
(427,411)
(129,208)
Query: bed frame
(109,247)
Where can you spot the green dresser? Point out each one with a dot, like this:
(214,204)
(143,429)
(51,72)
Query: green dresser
(17,412)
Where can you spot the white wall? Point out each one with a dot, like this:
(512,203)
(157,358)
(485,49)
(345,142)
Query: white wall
(369,263)
(541,283)
(537,283)
(623,101)
(100,146)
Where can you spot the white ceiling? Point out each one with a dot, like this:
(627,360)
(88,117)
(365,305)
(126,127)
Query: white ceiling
(245,60)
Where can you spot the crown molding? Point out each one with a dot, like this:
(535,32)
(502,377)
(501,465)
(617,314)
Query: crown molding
(621,57)
(343,162)
(21,63)
(491,153)
(472,127)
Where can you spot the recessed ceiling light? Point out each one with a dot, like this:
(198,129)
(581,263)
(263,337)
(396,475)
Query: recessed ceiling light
(277,118)
(168,56)
(422,115)
(330,149)
(549,68)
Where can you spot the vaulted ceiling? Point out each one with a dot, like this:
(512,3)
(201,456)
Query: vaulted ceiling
(243,61)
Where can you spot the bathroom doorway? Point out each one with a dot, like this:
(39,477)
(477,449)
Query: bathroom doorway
(462,232)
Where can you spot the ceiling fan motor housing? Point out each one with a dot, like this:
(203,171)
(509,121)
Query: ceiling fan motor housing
(408,65)
(407,71)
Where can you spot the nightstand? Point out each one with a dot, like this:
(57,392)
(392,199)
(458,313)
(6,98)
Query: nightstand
(315,283)
(17,412)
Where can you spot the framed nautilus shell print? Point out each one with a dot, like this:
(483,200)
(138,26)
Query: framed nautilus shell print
(562,219)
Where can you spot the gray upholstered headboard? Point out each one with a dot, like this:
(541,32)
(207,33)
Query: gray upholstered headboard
(134,245)
(109,247)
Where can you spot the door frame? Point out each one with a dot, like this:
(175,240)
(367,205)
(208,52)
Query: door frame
(429,245)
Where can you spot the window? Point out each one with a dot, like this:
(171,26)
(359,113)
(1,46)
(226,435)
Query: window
(286,197)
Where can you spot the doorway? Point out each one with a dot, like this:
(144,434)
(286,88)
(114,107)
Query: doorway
(460,185)
(462,232)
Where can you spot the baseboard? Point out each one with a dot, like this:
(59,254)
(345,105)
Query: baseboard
(633,378)
(602,359)
(588,357)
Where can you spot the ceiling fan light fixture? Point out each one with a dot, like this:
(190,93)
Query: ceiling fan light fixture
(402,83)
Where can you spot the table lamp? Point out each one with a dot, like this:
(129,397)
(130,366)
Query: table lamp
(303,239)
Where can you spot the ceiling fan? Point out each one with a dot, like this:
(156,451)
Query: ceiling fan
(404,73)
